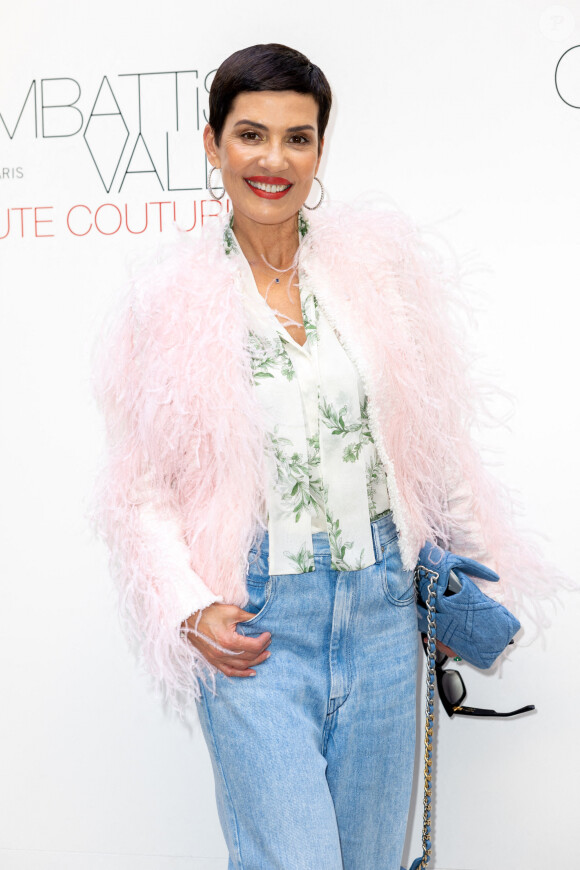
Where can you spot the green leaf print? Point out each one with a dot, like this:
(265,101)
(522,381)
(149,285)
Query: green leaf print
(338,547)
(314,450)
(229,241)
(360,564)
(373,469)
(287,368)
(267,355)
(292,476)
(366,433)
(310,325)
(316,488)
(333,419)
(352,452)
(303,559)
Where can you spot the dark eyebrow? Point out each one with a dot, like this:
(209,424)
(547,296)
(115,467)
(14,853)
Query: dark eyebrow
(246,122)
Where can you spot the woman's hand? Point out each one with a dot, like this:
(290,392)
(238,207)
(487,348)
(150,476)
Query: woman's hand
(442,648)
(445,649)
(238,654)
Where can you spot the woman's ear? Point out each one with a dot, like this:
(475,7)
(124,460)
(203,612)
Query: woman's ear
(210,146)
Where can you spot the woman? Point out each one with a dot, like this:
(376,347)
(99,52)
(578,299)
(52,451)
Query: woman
(289,422)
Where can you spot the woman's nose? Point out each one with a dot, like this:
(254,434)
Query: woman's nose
(274,157)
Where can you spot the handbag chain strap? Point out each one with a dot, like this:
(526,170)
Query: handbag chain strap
(427,837)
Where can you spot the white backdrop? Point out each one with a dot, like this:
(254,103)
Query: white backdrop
(451,109)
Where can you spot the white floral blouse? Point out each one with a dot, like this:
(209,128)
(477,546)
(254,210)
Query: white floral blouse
(324,471)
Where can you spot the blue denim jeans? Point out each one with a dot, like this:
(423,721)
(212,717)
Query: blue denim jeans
(313,757)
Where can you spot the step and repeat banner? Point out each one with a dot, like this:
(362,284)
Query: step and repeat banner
(466,116)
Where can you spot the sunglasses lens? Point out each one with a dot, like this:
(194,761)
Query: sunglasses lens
(453,686)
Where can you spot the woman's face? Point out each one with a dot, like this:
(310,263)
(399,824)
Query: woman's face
(268,153)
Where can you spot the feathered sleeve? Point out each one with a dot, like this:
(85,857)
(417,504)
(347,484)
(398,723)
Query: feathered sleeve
(478,516)
(135,510)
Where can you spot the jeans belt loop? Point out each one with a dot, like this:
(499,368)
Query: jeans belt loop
(377,542)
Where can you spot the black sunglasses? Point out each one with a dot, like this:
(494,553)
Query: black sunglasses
(452,690)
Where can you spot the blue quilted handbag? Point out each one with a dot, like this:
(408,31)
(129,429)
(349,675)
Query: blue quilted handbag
(469,622)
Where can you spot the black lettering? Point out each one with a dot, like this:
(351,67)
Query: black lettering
(59,109)
(103,135)
(129,171)
(11,135)
(571,64)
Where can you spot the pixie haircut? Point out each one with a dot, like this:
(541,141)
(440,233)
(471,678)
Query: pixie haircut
(270,67)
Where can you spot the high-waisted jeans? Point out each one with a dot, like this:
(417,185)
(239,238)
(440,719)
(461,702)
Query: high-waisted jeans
(313,757)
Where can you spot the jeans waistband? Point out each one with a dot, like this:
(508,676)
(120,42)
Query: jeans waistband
(383,530)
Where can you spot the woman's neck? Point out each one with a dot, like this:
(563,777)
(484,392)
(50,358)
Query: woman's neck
(273,244)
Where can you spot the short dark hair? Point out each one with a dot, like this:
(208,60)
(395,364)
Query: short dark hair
(270,67)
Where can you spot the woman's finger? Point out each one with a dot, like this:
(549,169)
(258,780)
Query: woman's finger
(232,672)
(244,663)
(445,649)
(236,644)
(238,662)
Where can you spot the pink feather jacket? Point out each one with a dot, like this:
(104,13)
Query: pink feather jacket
(182,491)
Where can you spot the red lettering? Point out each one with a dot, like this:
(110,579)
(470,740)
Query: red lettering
(186,229)
(8,224)
(117,228)
(37,221)
(160,204)
(214,214)
(70,229)
(22,210)
(137,232)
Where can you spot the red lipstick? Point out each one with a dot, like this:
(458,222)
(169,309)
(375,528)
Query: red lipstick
(268,181)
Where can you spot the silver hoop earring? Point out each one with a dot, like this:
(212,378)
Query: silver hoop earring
(322,192)
(210,188)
